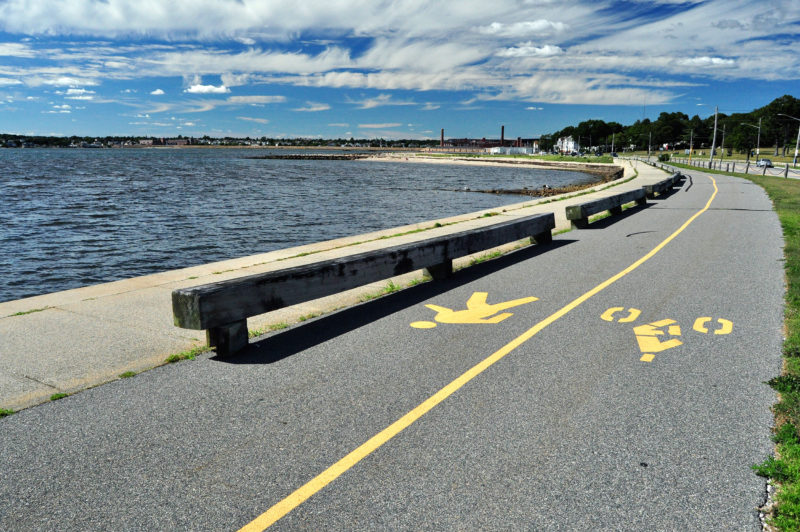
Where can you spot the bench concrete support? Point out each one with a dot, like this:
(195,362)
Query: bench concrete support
(228,338)
(222,308)
(440,271)
(663,186)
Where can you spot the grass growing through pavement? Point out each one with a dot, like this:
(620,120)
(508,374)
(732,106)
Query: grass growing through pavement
(57,396)
(188,355)
(5,412)
(784,468)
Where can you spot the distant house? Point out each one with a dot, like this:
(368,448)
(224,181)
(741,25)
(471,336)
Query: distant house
(177,142)
(146,142)
(567,145)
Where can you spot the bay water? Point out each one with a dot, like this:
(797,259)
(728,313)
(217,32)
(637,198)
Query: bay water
(76,217)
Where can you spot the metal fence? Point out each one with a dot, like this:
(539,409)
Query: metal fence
(746,167)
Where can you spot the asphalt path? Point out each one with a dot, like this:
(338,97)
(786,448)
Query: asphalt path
(566,423)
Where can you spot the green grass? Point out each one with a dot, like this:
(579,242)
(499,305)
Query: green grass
(57,396)
(188,355)
(485,257)
(388,289)
(31,311)
(310,316)
(269,328)
(5,412)
(784,468)
(127,375)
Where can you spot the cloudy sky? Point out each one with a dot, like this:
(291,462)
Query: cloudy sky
(381,68)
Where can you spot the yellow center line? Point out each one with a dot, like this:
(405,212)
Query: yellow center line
(303,493)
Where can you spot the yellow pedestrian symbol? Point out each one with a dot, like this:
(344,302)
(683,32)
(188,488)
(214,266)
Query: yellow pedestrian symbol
(477,311)
(660,335)
(649,343)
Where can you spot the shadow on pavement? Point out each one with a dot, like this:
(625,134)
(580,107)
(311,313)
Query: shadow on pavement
(280,345)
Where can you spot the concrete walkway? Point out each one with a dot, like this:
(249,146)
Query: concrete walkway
(72,340)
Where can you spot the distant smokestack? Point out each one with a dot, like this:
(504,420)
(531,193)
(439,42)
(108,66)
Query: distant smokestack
(441,140)
(502,135)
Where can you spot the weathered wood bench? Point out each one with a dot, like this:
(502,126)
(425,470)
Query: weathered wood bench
(579,214)
(663,186)
(222,308)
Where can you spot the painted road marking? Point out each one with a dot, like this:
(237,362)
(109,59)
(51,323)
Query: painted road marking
(726,326)
(647,335)
(478,311)
(304,492)
(633,313)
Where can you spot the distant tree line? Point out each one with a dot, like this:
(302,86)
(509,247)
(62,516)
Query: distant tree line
(677,130)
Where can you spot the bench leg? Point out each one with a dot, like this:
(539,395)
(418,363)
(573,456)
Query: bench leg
(440,271)
(641,201)
(542,238)
(580,223)
(229,338)
(615,210)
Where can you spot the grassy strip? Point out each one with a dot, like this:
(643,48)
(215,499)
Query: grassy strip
(784,468)
(26,312)
(188,355)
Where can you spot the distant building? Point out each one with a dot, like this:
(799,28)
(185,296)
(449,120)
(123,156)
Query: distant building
(177,142)
(146,142)
(567,145)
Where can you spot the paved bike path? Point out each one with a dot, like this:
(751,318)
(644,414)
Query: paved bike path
(570,429)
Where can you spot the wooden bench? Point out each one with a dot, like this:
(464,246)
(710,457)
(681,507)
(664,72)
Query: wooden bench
(222,308)
(579,214)
(663,186)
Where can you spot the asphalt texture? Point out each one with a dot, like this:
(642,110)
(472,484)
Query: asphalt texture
(569,431)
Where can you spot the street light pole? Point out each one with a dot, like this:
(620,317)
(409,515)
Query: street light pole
(797,144)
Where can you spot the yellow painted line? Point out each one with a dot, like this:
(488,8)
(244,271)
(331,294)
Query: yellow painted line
(303,493)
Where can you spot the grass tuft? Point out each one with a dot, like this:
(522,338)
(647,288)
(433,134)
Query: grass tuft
(190,354)
(57,396)
(5,412)
(127,375)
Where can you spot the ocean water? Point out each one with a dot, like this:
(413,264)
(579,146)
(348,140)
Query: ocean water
(72,218)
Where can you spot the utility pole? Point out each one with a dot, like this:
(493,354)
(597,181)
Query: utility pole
(691,144)
(795,151)
(649,143)
(758,140)
(714,141)
(722,147)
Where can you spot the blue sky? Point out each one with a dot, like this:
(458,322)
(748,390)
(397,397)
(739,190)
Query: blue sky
(379,68)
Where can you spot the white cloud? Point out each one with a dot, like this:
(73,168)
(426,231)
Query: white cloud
(534,108)
(313,107)
(9,81)
(251,119)
(524,29)
(707,61)
(529,50)
(157,92)
(207,89)
(259,99)
(380,101)
(379,126)
(339,124)
(10,49)
(429,107)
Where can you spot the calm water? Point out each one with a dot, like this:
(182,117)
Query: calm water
(71,218)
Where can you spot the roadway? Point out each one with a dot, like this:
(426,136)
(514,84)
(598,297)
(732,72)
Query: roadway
(628,395)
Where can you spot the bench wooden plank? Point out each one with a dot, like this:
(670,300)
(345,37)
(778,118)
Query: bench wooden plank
(223,307)
(579,214)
